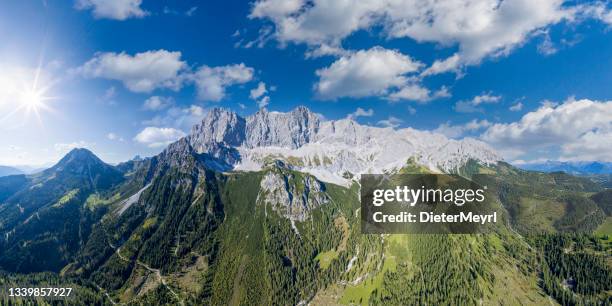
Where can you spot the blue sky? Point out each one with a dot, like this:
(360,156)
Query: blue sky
(531,78)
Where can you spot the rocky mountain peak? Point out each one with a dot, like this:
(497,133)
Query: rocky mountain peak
(218,126)
(325,148)
(81,165)
(224,128)
(79,157)
(290,130)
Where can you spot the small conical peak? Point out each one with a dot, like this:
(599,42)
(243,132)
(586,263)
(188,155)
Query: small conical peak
(79,158)
(79,154)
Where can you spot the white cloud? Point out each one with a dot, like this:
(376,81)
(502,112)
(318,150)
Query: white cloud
(518,106)
(372,72)
(479,28)
(109,96)
(150,70)
(258,91)
(142,72)
(155,137)
(412,92)
(275,9)
(360,112)
(546,46)
(471,106)
(600,11)
(190,12)
(391,122)
(458,131)
(575,130)
(263,102)
(592,145)
(261,40)
(113,136)
(110,93)
(485,98)
(212,81)
(182,118)
(316,23)
(156,103)
(416,92)
(258,94)
(451,63)
(411,110)
(113,9)
(324,50)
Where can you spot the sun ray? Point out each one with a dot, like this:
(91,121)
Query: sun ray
(30,96)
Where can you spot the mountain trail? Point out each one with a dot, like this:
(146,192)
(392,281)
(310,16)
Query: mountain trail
(156,271)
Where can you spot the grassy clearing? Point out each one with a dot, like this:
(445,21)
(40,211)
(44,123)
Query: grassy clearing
(396,250)
(149,222)
(605,228)
(360,294)
(94,200)
(325,258)
(511,287)
(66,198)
(540,214)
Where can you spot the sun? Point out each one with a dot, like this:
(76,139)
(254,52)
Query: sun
(28,93)
(32,100)
(34,96)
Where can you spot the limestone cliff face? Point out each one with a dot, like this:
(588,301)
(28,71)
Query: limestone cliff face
(287,130)
(326,149)
(290,195)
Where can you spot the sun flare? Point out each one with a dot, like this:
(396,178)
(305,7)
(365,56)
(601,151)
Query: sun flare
(32,99)
(26,93)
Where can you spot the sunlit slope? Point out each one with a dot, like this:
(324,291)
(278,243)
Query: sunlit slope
(45,219)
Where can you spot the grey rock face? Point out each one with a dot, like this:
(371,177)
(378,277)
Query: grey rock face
(304,142)
(223,128)
(291,196)
(289,130)
(325,148)
(219,126)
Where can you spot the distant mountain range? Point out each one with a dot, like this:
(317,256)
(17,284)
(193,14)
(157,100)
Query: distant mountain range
(576,168)
(14,170)
(6,170)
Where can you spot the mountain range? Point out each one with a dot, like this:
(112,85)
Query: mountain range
(264,210)
(576,168)
(6,170)
(328,149)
